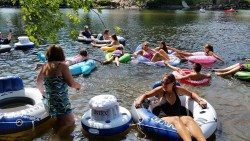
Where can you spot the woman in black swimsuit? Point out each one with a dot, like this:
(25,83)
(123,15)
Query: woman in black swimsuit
(185,125)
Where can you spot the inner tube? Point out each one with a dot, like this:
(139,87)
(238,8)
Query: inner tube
(243,75)
(23,43)
(84,40)
(174,61)
(230,10)
(126,57)
(153,125)
(21,108)
(99,40)
(202,82)
(84,68)
(5,48)
(201,58)
(109,49)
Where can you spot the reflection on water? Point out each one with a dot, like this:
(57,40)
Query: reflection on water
(189,30)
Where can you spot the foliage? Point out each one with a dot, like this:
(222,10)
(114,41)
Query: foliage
(118,30)
(43,18)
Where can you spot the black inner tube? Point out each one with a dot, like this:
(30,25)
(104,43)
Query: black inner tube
(13,102)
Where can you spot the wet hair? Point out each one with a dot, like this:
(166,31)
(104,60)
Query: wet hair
(106,31)
(114,37)
(169,78)
(164,46)
(120,47)
(197,67)
(55,53)
(83,52)
(209,47)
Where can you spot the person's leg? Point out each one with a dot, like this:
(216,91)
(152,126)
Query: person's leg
(230,72)
(156,57)
(66,124)
(180,127)
(228,68)
(164,54)
(193,128)
(117,61)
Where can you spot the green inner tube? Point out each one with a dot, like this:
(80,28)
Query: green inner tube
(123,59)
(247,66)
(244,75)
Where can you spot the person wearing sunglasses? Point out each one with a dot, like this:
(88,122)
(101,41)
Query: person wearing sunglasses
(170,104)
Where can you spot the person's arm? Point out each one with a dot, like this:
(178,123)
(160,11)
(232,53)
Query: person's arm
(135,54)
(68,77)
(39,81)
(171,67)
(146,95)
(183,77)
(194,96)
(174,49)
(217,57)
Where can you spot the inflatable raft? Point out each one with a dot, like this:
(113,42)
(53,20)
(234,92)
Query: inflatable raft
(123,59)
(23,43)
(201,58)
(243,75)
(105,117)
(20,108)
(174,61)
(202,82)
(5,48)
(99,40)
(153,125)
(84,40)
(84,67)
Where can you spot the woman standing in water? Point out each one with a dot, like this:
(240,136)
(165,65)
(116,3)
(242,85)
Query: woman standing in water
(53,81)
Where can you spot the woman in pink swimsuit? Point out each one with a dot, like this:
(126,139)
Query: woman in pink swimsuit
(151,54)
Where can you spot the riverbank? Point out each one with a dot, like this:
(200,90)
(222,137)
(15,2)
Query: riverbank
(132,4)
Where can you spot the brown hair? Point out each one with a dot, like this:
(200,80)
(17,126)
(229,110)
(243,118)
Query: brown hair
(114,37)
(197,67)
(169,78)
(164,46)
(83,52)
(209,47)
(106,31)
(55,53)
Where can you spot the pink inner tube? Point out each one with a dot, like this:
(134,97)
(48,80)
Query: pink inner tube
(202,82)
(230,10)
(201,59)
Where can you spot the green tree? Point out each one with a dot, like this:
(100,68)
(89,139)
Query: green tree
(43,18)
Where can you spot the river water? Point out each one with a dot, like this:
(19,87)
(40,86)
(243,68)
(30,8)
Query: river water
(229,33)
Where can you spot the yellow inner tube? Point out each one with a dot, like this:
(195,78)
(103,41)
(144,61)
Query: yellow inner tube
(109,49)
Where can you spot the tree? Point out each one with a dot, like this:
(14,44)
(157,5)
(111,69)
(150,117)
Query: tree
(43,18)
